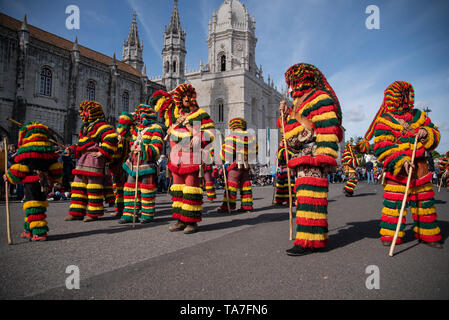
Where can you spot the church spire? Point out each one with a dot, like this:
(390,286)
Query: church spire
(175,22)
(132,47)
(133,36)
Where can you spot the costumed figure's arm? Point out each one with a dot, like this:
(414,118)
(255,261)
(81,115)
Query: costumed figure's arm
(55,172)
(107,137)
(17,172)
(431,140)
(388,149)
(152,143)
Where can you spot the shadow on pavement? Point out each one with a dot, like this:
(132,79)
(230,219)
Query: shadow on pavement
(245,220)
(111,230)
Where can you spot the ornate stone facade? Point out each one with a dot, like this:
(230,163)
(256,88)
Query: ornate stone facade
(230,84)
(45,77)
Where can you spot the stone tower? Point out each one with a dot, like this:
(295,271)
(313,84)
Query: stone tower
(133,48)
(232,40)
(174,52)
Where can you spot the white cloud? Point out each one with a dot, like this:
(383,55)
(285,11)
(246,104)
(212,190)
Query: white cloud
(355,114)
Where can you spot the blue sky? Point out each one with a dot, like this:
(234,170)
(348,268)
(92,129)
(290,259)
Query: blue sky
(412,43)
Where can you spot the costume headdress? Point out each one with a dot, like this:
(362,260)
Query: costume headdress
(398,97)
(170,107)
(94,109)
(34,143)
(145,114)
(237,123)
(303,77)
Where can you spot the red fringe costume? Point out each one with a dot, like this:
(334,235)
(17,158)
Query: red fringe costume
(239,149)
(184,124)
(314,151)
(95,135)
(37,167)
(395,129)
(350,163)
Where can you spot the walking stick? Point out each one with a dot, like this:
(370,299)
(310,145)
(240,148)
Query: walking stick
(404,200)
(135,189)
(8,226)
(288,179)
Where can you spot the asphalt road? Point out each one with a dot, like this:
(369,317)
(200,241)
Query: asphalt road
(232,257)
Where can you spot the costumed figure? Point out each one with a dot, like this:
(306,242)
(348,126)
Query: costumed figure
(281,194)
(190,129)
(350,163)
(444,169)
(398,124)
(239,150)
(96,145)
(37,167)
(207,167)
(145,138)
(118,175)
(313,132)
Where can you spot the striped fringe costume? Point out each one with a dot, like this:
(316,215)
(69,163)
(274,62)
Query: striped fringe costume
(35,160)
(142,130)
(95,135)
(394,139)
(118,174)
(315,150)
(239,149)
(184,125)
(281,192)
(209,184)
(350,162)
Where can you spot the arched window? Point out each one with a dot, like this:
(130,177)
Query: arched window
(125,101)
(220,112)
(90,90)
(223,63)
(174,66)
(167,67)
(46,79)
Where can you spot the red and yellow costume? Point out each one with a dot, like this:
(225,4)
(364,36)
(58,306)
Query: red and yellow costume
(37,167)
(184,125)
(96,145)
(314,144)
(350,163)
(141,130)
(397,124)
(239,150)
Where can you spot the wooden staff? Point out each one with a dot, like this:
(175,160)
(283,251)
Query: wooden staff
(404,200)
(8,225)
(288,178)
(51,140)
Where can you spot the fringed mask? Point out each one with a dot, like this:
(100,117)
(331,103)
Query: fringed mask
(90,111)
